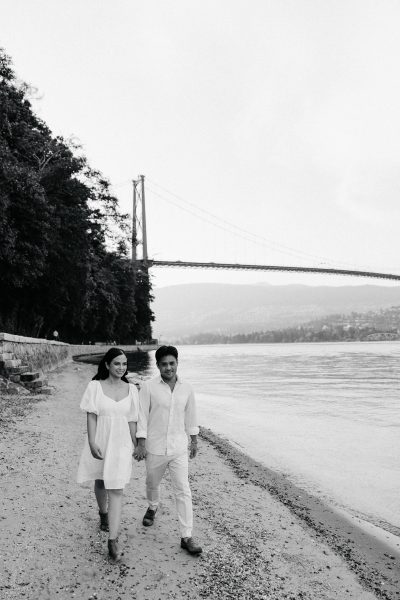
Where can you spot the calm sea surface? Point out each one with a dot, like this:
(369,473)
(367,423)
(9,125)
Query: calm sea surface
(327,415)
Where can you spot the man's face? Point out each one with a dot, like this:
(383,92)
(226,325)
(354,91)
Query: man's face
(167,366)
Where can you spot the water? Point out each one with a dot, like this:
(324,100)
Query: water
(326,415)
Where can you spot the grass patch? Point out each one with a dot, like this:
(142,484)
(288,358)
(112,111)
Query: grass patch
(16,406)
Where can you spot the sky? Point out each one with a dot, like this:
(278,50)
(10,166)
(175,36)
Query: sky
(268,131)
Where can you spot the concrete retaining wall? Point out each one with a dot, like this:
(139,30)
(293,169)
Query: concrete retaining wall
(45,355)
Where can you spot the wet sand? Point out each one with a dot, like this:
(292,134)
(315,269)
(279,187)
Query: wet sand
(262,537)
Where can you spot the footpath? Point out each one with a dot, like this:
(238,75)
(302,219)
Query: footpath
(51,548)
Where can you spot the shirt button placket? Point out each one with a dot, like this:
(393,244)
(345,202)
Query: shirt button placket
(170,418)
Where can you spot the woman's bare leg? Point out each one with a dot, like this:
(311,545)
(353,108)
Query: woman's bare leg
(114,512)
(101,495)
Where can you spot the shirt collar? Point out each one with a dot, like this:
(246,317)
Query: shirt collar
(161,380)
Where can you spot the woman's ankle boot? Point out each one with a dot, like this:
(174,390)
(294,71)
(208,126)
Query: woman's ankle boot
(113,550)
(103,521)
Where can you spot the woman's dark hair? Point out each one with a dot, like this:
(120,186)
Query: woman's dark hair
(166,351)
(102,371)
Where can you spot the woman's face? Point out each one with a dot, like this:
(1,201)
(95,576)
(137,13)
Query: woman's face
(118,365)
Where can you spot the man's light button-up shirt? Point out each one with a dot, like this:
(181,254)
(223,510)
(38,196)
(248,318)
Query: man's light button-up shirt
(166,417)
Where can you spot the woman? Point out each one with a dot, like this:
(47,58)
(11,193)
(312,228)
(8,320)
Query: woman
(111,404)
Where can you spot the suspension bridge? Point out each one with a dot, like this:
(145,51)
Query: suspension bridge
(146,262)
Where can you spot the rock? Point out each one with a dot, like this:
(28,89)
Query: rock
(30,376)
(14,388)
(36,383)
(11,363)
(43,390)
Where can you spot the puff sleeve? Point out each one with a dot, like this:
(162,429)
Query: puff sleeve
(134,409)
(88,402)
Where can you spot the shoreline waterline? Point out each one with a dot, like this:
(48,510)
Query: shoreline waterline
(372,556)
(378,528)
(386,532)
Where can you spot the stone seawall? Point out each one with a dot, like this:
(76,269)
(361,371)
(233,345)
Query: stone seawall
(46,355)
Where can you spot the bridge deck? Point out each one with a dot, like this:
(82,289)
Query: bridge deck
(280,268)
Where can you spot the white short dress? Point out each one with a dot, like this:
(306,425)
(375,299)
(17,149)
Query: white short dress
(112,436)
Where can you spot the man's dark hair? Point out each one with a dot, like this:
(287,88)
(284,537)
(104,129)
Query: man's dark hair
(166,351)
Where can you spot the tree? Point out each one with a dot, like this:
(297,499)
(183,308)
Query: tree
(63,262)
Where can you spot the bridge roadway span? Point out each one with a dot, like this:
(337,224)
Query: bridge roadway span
(240,267)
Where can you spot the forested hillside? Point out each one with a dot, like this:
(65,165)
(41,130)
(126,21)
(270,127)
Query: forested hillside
(379,325)
(63,253)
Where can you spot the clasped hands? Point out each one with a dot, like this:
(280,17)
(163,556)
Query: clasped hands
(139,452)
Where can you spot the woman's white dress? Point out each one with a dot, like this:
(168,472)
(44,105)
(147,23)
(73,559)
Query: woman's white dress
(112,436)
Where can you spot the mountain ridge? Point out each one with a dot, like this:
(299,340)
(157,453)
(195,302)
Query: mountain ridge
(185,309)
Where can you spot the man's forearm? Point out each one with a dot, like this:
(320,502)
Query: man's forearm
(193,446)
(132,429)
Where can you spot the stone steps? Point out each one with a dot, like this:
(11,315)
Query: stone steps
(35,384)
(6,365)
(21,377)
(29,376)
(46,390)
(17,370)
(9,387)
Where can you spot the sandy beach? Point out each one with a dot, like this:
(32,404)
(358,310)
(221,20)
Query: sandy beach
(262,537)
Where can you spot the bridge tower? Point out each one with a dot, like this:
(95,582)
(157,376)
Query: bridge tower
(139,229)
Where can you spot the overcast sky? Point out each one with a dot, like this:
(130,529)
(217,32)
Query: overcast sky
(277,122)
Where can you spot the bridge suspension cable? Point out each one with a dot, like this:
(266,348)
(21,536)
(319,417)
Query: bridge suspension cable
(146,262)
(238,231)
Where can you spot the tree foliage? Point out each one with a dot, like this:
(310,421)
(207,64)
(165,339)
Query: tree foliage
(63,262)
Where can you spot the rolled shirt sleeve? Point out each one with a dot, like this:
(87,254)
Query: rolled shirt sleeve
(134,409)
(191,422)
(144,409)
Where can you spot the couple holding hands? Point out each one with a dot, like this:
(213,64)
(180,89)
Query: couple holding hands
(156,423)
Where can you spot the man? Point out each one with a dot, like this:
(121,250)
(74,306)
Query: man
(167,416)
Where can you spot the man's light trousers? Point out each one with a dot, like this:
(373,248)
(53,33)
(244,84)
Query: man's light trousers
(179,471)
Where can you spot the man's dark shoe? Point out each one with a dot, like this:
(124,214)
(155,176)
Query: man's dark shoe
(148,518)
(189,545)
